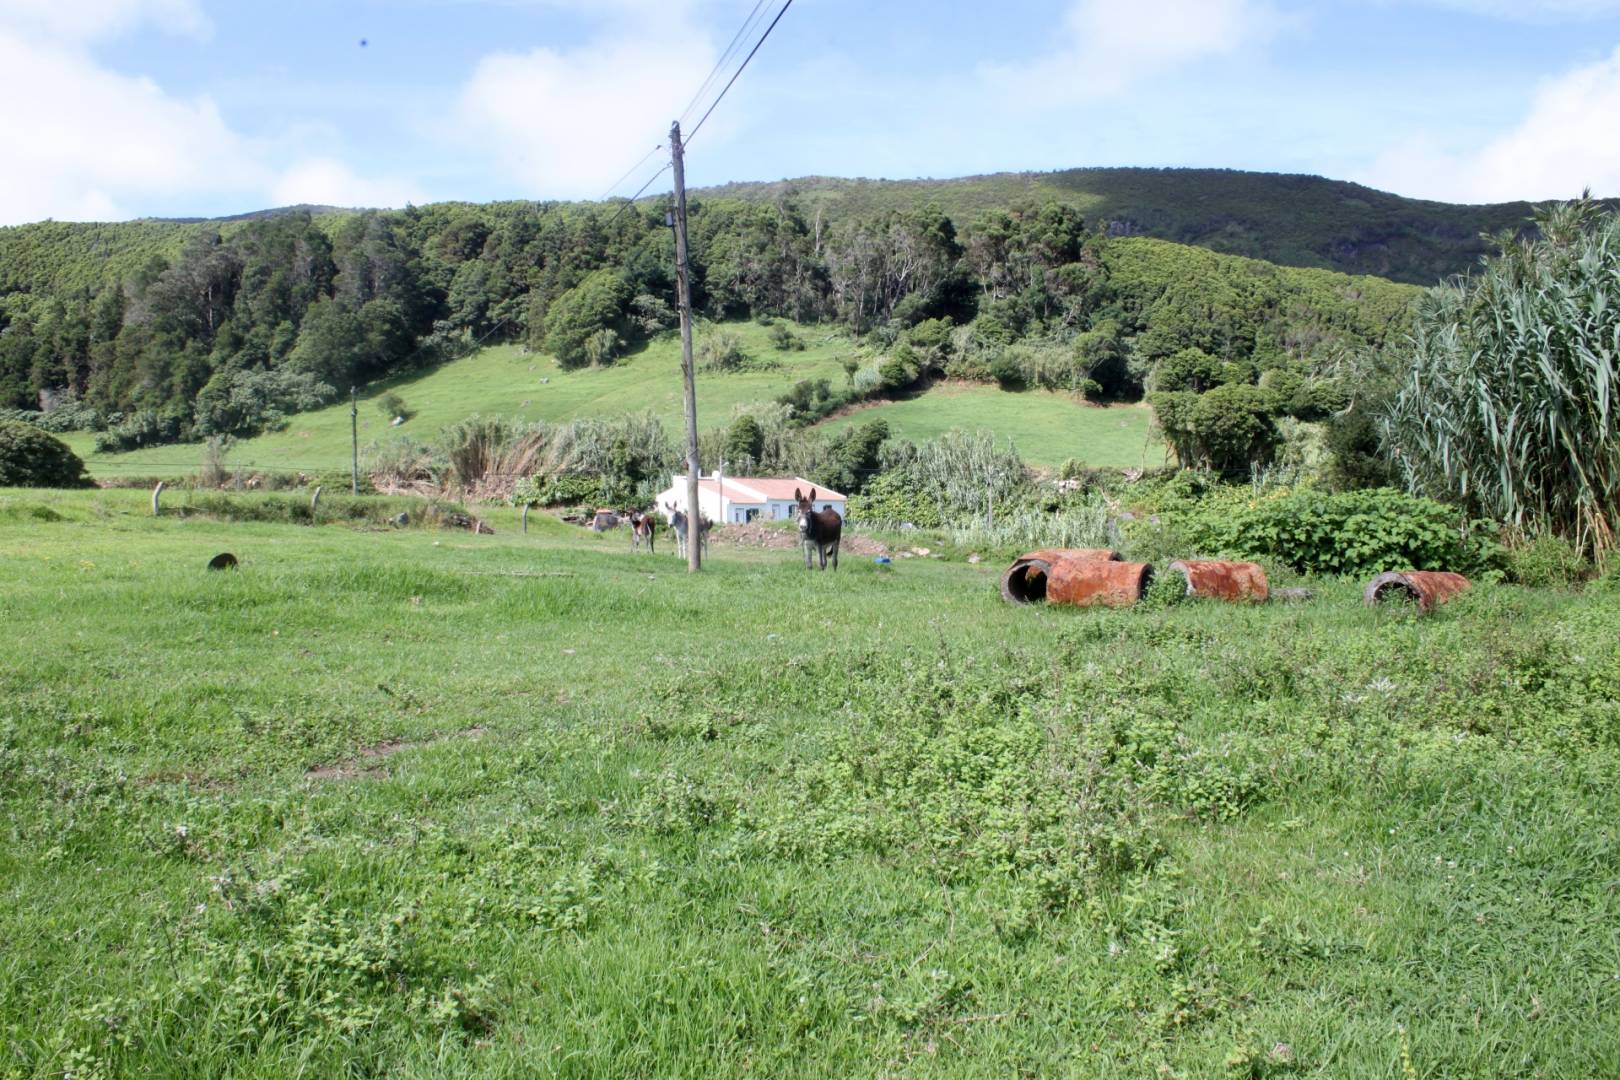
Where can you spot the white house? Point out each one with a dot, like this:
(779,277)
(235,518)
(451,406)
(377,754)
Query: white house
(737,499)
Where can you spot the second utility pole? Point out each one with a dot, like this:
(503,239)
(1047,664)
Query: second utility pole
(683,295)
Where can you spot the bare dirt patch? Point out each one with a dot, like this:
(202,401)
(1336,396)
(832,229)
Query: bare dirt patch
(367,763)
(761,536)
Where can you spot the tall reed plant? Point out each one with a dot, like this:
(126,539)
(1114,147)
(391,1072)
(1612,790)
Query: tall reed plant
(1510,405)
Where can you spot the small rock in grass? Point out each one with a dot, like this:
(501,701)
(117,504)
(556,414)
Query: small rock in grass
(1292,596)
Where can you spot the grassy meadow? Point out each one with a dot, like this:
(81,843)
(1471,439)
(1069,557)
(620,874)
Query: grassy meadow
(509,381)
(418,803)
(506,380)
(1049,428)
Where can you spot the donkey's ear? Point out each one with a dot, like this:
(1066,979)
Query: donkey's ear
(797,496)
(812,494)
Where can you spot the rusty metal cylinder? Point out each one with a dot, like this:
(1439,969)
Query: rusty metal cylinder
(1059,554)
(1092,579)
(1218,580)
(1428,589)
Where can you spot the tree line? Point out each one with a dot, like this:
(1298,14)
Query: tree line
(247,323)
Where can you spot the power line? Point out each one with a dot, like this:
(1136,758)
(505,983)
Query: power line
(693,133)
(631,201)
(628,173)
(725,58)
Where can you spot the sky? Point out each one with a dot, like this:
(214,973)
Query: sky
(116,109)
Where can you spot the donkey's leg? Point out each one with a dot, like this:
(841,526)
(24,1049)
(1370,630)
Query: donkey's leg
(835,544)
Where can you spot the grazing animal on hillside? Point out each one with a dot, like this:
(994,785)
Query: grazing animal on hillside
(677,524)
(819,530)
(642,527)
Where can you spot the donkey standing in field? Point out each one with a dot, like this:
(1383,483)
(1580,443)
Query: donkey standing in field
(818,529)
(642,527)
(677,524)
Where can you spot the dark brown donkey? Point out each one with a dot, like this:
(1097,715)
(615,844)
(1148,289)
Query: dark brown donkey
(641,528)
(819,529)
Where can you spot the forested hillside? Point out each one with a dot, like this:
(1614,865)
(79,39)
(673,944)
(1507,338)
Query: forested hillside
(1292,220)
(153,332)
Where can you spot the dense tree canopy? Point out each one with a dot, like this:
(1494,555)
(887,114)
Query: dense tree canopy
(232,326)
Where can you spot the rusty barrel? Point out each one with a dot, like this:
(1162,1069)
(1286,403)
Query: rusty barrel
(1083,577)
(1428,589)
(1220,580)
(1059,554)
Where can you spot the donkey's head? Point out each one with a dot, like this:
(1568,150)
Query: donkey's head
(807,510)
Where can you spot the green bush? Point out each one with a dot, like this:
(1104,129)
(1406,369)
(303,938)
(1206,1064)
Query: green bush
(31,457)
(1358,532)
(580,314)
(722,351)
(567,490)
(1547,562)
(785,339)
(892,498)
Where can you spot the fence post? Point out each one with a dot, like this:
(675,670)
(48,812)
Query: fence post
(525,517)
(314,501)
(157,493)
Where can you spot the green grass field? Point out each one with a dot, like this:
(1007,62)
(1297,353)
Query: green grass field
(506,381)
(1048,428)
(411,802)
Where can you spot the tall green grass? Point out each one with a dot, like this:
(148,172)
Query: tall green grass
(413,803)
(1512,401)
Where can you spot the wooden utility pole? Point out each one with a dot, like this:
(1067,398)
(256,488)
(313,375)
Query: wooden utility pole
(683,295)
(354,443)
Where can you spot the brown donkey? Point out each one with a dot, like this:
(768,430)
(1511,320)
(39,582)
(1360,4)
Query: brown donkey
(818,529)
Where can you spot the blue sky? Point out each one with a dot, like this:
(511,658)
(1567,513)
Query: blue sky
(125,108)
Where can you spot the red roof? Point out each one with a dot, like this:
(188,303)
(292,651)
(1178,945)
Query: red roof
(773,489)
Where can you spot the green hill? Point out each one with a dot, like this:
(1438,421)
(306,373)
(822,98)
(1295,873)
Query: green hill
(508,380)
(1287,219)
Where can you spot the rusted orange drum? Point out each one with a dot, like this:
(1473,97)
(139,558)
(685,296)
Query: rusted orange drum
(1059,554)
(1428,589)
(1088,580)
(1220,580)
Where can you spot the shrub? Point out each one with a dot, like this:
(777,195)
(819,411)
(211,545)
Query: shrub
(570,490)
(31,457)
(247,402)
(67,416)
(1229,430)
(594,305)
(392,405)
(146,427)
(894,498)
(1358,532)
(722,351)
(1547,561)
(785,339)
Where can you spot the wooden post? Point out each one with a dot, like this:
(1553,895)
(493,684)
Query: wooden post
(157,493)
(354,444)
(314,501)
(683,294)
(525,518)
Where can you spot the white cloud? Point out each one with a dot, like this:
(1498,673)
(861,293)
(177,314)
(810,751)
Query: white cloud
(569,122)
(1564,143)
(94,138)
(83,142)
(328,182)
(1105,46)
(87,19)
